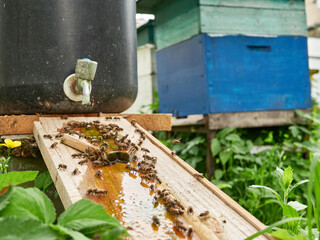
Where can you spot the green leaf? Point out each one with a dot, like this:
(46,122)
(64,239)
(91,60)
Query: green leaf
(276,224)
(287,178)
(22,229)
(297,206)
(298,184)
(224,157)
(218,173)
(289,212)
(268,189)
(224,132)
(239,147)
(86,214)
(112,234)
(215,147)
(233,137)
(295,131)
(68,232)
(279,173)
(4,199)
(30,203)
(283,234)
(43,181)
(16,178)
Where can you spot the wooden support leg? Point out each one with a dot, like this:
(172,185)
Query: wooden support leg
(210,161)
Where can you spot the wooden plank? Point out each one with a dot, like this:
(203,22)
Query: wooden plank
(189,188)
(150,122)
(66,188)
(271,4)
(209,186)
(252,119)
(250,21)
(23,124)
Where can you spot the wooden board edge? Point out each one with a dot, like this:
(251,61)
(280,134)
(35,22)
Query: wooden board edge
(214,189)
(23,124)
(253,119)
(68,193)
(150,122)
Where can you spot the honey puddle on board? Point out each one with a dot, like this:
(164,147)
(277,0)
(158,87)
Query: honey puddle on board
(131,201)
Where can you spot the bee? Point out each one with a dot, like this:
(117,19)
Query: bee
(48,136)
(73,133)
(124,138)
(180,205)
(67,128)
(147,157)
(137,130)
(190,231)
(88,150)
(179,225)
(190,210)
(177,141)
(103,148)
(140,143)
(58,136)
(143,136)
(133,122)
(204,215)
(145,150)
(63,117)
(82,135)
(173,153)
(97,163)
(151,187)
(75,171)
(53,145)
(108,118)
(99,174)
(97,191)
(116,118)
(175,211)
(100,191)
(83,162)
(96,121)
(104,156)
(76,155)
(156,220)
(154,160)
(94,140)
(158,179)
(198,175)
(62,166)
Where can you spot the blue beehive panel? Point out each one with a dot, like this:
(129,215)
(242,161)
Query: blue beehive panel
(257,73)
(181,82)
(233,74)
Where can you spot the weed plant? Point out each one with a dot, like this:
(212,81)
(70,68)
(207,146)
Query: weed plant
(246,157)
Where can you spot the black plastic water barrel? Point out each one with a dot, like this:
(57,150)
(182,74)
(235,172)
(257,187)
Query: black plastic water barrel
(41,40)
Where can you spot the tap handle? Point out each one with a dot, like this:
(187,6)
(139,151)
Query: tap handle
(86,69)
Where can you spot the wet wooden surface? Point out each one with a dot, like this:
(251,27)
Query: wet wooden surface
(130,198)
